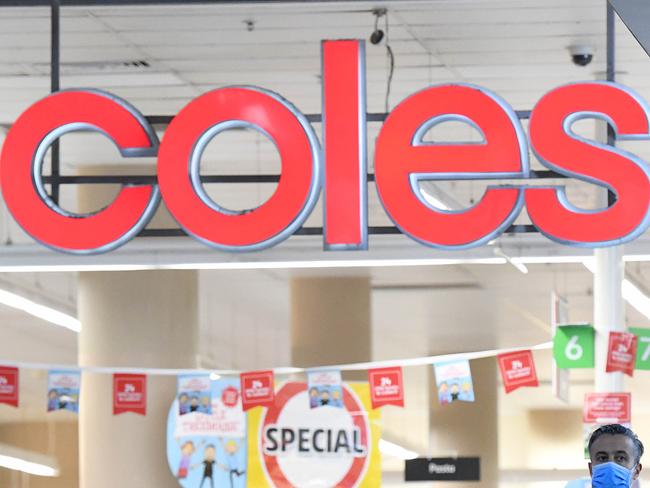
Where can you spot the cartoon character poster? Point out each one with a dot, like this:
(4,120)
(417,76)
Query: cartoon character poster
(454,382)
(194,394)
(292,444)
(209,450)
(325,389)
(63,391)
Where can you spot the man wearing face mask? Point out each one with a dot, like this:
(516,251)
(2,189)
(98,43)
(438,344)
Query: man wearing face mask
(615,454)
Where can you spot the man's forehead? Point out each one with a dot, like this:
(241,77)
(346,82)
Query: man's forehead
(613,443)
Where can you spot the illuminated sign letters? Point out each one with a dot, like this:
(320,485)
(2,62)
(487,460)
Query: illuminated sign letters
(403,159)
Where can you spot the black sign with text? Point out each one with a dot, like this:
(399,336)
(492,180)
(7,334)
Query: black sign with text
(443,469)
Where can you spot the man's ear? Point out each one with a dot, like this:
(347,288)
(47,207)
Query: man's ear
(637,471)
(590,473)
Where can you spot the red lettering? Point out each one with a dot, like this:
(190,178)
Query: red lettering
(344,144)
(22,159)
(179,161)
(561,150)
(402,159)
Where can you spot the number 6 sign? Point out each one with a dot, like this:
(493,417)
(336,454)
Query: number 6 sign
(573,346)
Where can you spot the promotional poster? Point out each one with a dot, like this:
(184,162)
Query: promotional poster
(63,391)
(325,389)
(454,382)
(194,394)
(209,450)
(292,444)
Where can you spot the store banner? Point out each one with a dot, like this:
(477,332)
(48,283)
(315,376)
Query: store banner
(194,394)
(607,408)
(325,389)
(517,370)
(621,353)
(63,388)
(573,346)
(210,449)
(292,444)
(257,389)
(9,386)
(386,386)
(643,348)
(454,382)
(129,393)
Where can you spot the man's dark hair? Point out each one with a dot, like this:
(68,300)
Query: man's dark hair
(618,429)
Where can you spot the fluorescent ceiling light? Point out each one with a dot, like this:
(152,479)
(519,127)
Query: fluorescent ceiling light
(395,450)
(519,265)
(41,311)
(635,297)
(27,461)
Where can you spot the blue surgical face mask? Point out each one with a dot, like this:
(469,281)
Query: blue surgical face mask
(611,475)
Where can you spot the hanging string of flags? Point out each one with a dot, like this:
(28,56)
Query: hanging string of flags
(257,388)
(573,347)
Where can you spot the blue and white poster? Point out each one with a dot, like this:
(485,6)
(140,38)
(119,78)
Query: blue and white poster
(194,394)
(210,450)
(63,391)
(454,382)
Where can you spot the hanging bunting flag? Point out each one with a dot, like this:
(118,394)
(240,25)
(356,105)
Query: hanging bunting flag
(621,353)
(517,370)
(257,389)
(325,389)
(63,390)
(573,346)
(642,347)
(454,381)
(9,385)
(386,386)
(129,393)
(194,394)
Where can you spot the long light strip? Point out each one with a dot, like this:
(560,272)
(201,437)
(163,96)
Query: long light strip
(395,450)
(41,311)
(632,294)
(18,464)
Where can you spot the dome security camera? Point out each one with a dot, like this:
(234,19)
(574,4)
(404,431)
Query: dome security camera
(581,55)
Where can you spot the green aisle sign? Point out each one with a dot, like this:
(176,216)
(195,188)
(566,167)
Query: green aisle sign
(573,346)
(642,348)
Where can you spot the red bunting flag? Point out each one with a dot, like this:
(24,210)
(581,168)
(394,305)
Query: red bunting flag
(129,393)
(621,354)
(9,385)
(517,370)
(257,389)
(386,386)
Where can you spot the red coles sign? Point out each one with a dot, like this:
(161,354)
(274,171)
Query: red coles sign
(621,354)
(9,386)
(403,159)
(517,370)
(257,389)
(386,386)
(129,393)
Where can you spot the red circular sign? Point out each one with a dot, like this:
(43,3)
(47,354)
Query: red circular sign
(356,411)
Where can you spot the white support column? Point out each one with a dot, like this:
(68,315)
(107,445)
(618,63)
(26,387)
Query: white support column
(609,312)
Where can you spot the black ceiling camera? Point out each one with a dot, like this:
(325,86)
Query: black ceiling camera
(377,35)
(581,55)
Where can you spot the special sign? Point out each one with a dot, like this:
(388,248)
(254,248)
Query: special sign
(291,444)
(402,159)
